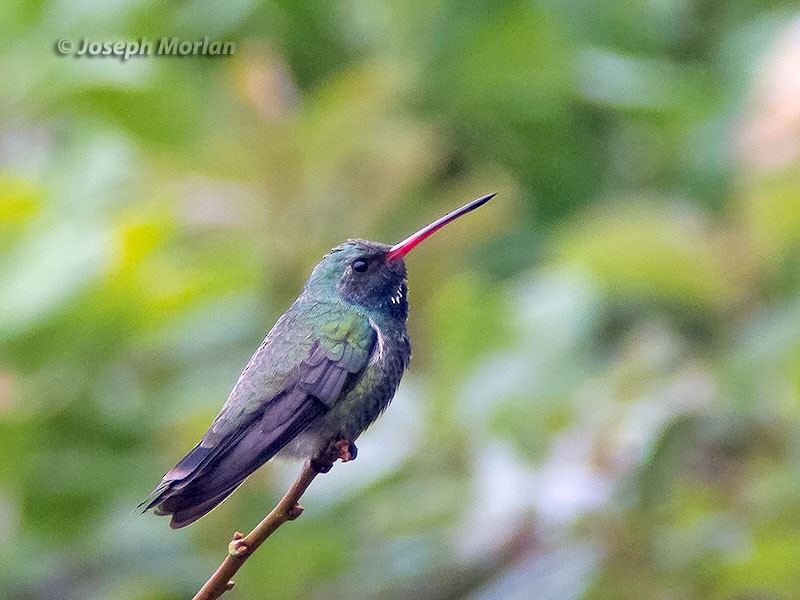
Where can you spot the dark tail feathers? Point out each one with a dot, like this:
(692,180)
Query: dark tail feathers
(206,476)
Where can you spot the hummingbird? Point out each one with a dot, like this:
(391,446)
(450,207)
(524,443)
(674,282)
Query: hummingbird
(326,371)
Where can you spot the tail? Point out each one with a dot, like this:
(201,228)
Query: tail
(189,504)
(189,499)
(208,475)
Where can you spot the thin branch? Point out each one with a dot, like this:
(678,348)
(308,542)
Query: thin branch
(240,549)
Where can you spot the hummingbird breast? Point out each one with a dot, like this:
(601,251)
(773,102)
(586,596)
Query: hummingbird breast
(365,395)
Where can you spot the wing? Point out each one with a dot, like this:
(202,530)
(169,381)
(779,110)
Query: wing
(271,403)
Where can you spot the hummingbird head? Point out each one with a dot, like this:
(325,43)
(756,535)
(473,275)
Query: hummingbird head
(371,274)
(359,272)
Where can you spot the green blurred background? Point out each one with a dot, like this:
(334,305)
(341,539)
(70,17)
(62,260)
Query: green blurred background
(604,400)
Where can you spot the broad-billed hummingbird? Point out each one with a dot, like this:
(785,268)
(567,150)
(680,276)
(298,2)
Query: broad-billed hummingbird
(326,370)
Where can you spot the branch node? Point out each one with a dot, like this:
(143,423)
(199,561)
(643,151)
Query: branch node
(238,547)
(294,512)
(241,547)
(229,586)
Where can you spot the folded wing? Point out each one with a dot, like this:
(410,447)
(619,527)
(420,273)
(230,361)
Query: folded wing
(248,433)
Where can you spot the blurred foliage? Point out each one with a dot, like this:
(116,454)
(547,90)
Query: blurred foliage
(604,401)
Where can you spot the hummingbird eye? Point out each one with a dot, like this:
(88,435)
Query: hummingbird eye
(359,266)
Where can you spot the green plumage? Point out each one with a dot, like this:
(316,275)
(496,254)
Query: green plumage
(327,369)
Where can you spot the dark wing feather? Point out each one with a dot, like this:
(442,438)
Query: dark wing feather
(323,377)
(200,493)
(245,436)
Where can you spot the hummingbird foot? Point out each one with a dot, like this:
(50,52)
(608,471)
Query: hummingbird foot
(321,464)
(339,449)
(347,450)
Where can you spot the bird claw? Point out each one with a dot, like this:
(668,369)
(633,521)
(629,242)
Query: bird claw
(346,450)
(321,464)
(340,449)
